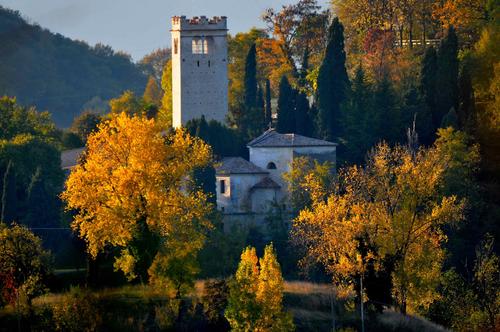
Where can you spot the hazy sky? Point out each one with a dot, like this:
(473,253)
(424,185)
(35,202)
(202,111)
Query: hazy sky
(136,26)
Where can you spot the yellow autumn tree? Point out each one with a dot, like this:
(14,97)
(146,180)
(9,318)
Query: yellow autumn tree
(166,108)
(128,193)
(389,210)
(270,295)
(256,294)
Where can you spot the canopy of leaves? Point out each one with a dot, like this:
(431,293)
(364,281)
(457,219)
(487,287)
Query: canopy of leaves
(130,185)
(390,210)
(24,264)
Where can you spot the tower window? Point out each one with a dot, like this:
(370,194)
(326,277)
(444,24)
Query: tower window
(209,63)
(271,165)
(176,42)
(222,184)
(197,45)
(198,63)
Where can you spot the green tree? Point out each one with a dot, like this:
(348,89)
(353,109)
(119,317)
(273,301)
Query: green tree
(286,107)
(332,82)
(250,92)
(268,115)
(446,77)
(303,122)
(270,295)
(16,120)
(243,310)
(42,210)
(23,262)
(9,195)
(84,124)
(255,300)
(358,119)
(386,122)
(165,112)
(428,87)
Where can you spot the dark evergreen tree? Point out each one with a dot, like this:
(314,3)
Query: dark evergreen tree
(466,97)
(9,195)
(415,110)
(450,119)
(202,130)
(42,209)
(428,76)
(303,123)
(268,117)
(357,119)
(250,94)
(386,123)
(286,107)
(447,76)
(304,68)
(332,83)
(204,179)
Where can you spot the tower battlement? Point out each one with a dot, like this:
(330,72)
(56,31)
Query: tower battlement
(199,23)
(199,69)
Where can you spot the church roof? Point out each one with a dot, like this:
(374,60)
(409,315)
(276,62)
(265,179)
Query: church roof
(271,138)
(266,183)
(69,158)
(238,165)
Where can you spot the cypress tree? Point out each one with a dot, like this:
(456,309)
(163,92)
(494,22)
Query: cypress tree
(428,73)
(357,119)
(303,125)
(250,94)
(286,107)
(303,68)
(386,122)
(447,76)
(332,83)
(268,117)
(450,119)
(9,195)
(466,97)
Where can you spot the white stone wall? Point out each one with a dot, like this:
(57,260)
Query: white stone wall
(281,157)
(199,81)
(237,198)
(263,199)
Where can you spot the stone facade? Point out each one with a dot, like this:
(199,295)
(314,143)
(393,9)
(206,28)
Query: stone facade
(250,190)
(199,68)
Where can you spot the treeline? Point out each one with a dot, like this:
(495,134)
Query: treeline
(61,75)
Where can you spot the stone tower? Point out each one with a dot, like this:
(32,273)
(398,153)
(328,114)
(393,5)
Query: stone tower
(199,68)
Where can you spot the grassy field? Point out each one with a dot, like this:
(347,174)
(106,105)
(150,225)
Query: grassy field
(139,308)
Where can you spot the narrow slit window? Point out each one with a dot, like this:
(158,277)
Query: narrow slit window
(198,63)
(208,63)
(176,45)
(222,186)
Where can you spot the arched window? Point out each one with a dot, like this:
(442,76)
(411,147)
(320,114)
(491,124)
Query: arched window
(271,165)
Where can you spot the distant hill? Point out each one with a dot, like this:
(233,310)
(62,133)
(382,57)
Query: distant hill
(58,74)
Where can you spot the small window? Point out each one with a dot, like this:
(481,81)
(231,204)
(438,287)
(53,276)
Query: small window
(176,42)
(208,63)
(271,165)
(197,45)
(198,63)
(222,186)
(205,46)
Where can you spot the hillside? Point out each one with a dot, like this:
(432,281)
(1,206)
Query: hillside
(58,74)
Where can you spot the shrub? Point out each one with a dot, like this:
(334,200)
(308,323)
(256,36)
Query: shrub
(78,311)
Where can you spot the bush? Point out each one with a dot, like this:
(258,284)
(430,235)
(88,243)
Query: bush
(78,311)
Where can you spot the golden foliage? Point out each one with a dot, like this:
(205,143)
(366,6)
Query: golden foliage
(256,294)
(132,174)
(165,112)
(391,208)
